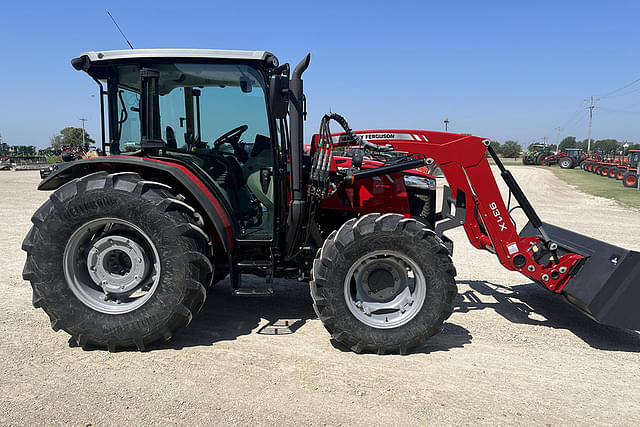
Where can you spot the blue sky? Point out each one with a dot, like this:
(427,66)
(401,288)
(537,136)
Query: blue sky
(502,70)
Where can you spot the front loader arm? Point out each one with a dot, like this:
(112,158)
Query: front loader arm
(487,223)
(598,278)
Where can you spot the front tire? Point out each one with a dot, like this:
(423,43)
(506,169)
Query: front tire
(630,179)
(117,261)
(383,283)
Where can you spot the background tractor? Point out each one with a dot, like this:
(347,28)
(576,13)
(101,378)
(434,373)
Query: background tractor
(536,154)
(205,174)
(568,159)
(628,173)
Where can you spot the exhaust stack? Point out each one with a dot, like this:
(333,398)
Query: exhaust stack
(297,207)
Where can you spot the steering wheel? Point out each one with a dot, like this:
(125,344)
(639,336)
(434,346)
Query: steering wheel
(232,137)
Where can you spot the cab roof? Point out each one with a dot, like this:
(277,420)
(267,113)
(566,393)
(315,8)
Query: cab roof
(92,59)
(109,55)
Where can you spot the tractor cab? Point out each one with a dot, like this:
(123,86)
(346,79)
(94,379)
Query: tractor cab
(634,158)
(575,153)
(205,108)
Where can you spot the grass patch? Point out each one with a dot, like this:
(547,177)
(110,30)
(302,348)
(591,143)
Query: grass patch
(597,185)
(507,161)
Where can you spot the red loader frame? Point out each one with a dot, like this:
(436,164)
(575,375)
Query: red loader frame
(487,223)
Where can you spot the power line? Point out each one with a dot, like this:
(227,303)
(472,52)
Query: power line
(611,110)
(618,95)
(620,88)
(573,118)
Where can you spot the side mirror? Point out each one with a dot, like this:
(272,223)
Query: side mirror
(279,95)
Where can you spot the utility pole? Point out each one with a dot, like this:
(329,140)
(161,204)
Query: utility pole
(83,120)
(558,139)
(592,101)
(446,125)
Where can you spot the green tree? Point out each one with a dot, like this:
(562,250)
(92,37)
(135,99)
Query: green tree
(606,145)
(568,142)
(511,149)
(496,147)
(70,136)
(55,142)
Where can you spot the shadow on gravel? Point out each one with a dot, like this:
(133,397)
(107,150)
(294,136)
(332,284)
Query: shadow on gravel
(226,317)
(452,336)
(528,304)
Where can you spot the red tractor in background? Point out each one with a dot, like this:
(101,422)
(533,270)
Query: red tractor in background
(628,172)
(122,253)
(624,169)
(568,159)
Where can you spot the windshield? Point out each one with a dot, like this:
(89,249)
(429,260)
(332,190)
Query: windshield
(198,104)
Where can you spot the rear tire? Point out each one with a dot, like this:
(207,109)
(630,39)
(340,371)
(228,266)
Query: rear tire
(364,254)
(566,163)
(83,218)
(630,179)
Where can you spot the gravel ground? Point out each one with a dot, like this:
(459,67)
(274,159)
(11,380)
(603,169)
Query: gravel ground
(512,353)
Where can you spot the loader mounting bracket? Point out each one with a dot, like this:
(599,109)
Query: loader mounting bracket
(446,220)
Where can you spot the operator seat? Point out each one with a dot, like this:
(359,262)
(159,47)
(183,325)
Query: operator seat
(259,158)
(171,138)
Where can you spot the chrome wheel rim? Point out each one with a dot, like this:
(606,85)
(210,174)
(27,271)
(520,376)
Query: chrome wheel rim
(385,289)
(111,265)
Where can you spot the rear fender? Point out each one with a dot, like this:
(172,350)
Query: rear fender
(176,174)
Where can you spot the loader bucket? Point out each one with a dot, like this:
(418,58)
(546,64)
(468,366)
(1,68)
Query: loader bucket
(606,285)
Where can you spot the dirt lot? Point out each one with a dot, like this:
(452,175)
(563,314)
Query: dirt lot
(511,353)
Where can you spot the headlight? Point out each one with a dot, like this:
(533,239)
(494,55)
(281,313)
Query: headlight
(421,182)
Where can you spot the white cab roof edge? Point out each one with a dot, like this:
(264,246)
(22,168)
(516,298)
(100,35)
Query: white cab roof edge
(107,55)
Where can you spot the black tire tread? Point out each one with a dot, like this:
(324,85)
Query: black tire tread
(321,289)
(188,224)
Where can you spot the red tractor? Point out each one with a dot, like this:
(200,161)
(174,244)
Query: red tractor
(623,169)
(122,253)
(628,172)
(604,165)
(568,159)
